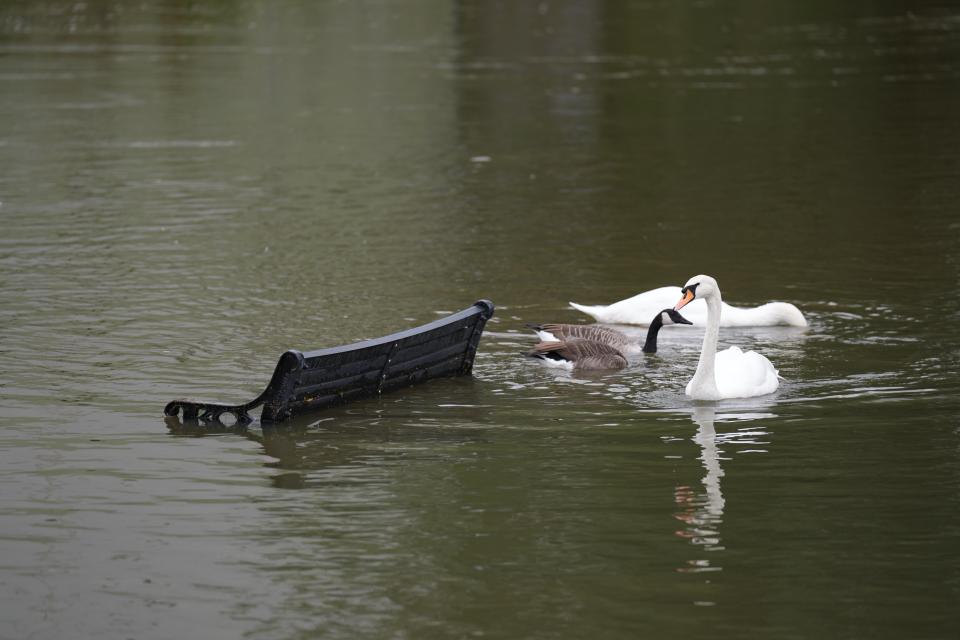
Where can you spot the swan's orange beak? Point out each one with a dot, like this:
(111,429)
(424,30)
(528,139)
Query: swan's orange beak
(688,296)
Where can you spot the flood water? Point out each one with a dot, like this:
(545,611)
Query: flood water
(190,188)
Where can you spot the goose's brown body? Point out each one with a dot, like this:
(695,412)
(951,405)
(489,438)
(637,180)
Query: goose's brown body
(583,354)
(593,332)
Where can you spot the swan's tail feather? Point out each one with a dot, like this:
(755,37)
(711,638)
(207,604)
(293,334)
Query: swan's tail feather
(594,311)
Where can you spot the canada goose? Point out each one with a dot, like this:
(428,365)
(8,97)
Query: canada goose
(586,347)
(577,353)
(612,337)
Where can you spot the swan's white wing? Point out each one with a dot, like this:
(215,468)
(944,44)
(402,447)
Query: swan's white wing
(766,315)
(744,375)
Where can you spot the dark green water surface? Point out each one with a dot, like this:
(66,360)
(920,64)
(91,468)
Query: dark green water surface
(190,188)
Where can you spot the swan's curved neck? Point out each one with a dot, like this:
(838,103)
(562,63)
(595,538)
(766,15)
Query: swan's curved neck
(650,346)
(704,383)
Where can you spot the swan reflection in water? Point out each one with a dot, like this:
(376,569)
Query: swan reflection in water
(702,513)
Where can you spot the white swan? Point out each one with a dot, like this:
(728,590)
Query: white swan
(642,307)
(730,373)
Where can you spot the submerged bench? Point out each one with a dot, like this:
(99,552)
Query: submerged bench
(306,381)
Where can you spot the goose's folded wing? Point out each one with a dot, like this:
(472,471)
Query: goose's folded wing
(593,332)
(589,354)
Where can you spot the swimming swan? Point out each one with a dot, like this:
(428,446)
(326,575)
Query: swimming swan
(730,373)
(612,337)
(590,347)
(641,307)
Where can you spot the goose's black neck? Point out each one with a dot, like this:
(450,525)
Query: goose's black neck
(650,346)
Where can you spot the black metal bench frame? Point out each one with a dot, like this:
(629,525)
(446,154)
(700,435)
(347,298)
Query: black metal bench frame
(306,381)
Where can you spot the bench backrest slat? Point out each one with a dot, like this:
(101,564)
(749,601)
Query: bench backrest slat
(324,377)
